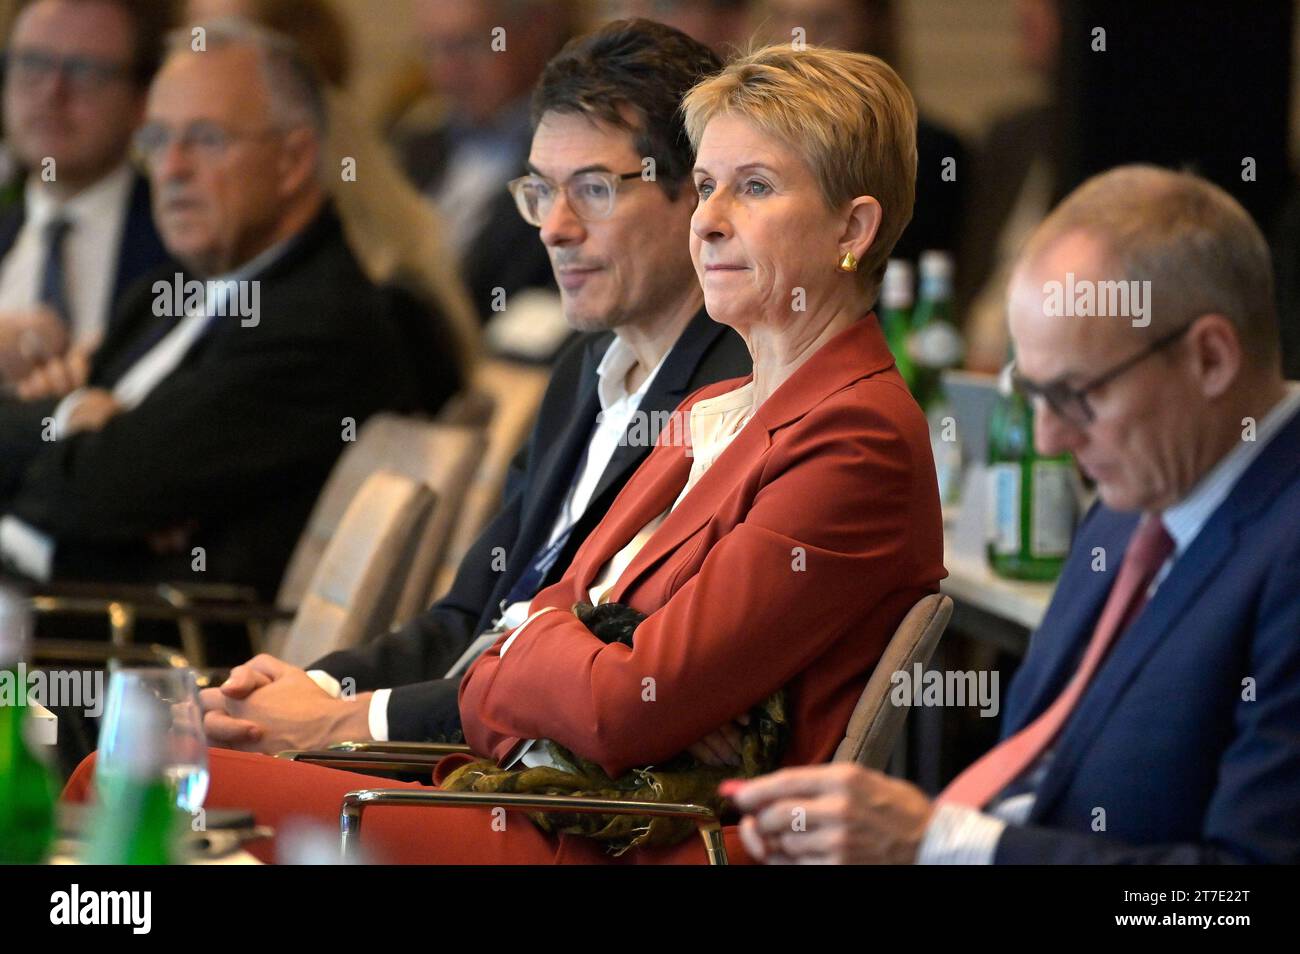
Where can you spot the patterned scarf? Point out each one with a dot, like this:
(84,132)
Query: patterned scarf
(680,779)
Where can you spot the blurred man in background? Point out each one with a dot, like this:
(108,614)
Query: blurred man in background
(482,60)
(398,239)
(1016,180)
(212,417)
(78,231)
(722,25)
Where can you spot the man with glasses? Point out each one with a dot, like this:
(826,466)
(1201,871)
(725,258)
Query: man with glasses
(1156,716)
(230,384)
(79,232)
(618,243)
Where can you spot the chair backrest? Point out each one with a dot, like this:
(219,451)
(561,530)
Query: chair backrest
(513,391)
(876,725)
(442,456)
(356,584)
(459,453)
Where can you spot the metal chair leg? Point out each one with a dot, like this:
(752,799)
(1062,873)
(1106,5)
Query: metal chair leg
(355,803)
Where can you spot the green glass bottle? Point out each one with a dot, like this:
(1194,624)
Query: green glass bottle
(27,789)
(1031,500)
(896,300)
(934,344)
(136,821)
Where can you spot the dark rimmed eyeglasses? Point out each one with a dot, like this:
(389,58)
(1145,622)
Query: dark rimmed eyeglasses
(1071,403)
(85,74)
(590,194)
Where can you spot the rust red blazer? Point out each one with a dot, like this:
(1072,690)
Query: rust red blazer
(790,563)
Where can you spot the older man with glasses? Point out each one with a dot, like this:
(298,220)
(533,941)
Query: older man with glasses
(216,407)
(1156,717)
(78,232)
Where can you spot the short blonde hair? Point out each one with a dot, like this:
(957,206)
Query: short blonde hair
(1199,248)
(850,116)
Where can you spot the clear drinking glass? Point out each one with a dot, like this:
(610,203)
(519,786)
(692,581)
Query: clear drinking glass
(184,759)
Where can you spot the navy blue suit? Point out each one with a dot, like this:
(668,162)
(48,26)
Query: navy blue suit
(141,250)
(1185,768)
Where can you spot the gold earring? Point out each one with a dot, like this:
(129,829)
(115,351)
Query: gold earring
(848,263)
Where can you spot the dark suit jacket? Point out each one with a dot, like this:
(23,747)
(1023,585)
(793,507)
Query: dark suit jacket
(235,442)
(789,564)
(506,252)
(940,203)
(141,250)
(1187,765)
(414,658)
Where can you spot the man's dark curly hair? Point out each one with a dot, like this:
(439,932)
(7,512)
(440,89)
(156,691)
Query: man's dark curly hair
(635,67)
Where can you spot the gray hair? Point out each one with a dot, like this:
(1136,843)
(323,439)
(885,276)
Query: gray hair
(295,89)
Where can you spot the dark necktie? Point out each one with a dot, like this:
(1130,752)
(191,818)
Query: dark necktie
(54,288)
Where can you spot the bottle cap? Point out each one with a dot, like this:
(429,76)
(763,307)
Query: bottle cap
(936,274)
(896,292)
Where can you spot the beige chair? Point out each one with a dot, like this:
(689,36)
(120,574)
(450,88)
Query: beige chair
(512,392)
(357,581)
(873,731)
(442,456)
(876,726)
(445,457)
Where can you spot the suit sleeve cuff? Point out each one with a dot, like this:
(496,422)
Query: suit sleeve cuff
(378,716)
(958,835)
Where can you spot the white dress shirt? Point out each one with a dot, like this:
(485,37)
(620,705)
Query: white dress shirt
(90,252)
(958,834)
(617,406)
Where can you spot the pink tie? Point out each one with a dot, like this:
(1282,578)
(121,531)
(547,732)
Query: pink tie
(1004,763)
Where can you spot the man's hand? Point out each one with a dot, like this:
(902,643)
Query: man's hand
(268,706)
(92,411)
(27,339)
(56,377)
(721,748)
(831,814)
